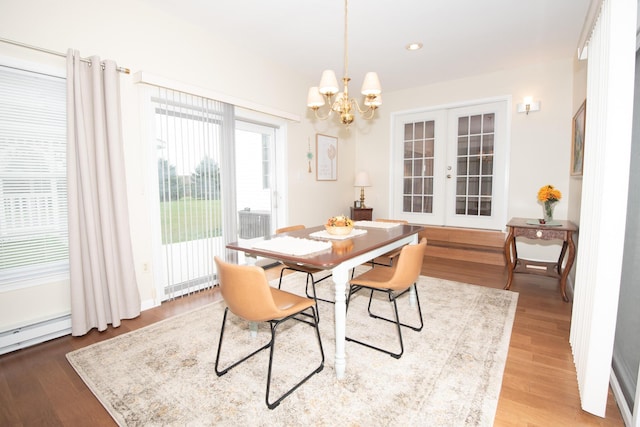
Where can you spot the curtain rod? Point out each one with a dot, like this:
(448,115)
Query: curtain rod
(53,52)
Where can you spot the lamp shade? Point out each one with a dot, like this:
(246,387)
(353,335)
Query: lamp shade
(376,102)
(362,180)
(371,84)
(328,83)
(314,98)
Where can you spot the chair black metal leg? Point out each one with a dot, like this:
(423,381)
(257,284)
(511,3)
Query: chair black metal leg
(314,297)
(393,299)
(395,307)
(415,328)
(313,281)
(281,274)
(228,368)
(274,326)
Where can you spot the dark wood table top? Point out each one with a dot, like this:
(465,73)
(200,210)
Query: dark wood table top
(341,250)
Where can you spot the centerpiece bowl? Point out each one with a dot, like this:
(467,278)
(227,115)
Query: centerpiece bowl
(338,231)
(339,225)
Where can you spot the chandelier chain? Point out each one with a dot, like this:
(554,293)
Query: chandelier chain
(346,38)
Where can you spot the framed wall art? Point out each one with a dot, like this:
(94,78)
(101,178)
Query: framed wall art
(326,158)
(577,140)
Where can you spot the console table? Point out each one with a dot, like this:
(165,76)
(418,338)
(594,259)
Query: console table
(532,229)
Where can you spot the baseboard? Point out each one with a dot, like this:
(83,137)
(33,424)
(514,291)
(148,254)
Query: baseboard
(29,335)
(46,330)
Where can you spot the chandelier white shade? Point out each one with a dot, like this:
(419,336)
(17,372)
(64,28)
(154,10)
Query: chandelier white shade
(328,88)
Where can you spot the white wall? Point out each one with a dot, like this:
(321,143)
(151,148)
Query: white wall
(540,141)
(144,39)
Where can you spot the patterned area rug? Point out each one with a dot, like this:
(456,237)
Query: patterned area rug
(450,373)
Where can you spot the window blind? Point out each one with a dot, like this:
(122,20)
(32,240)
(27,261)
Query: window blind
(33,188)
(189,134)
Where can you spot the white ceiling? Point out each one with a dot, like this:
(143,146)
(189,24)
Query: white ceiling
(460,37)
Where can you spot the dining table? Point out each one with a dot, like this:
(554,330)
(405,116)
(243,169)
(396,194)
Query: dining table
(315,247)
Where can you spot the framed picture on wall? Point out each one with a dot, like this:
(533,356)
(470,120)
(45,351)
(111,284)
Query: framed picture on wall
(326,158)
(577,140)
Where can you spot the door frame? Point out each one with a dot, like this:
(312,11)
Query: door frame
(279,198)
(498,220)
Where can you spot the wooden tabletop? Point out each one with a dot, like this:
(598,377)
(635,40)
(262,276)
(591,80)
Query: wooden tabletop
(522,223)
(341,250)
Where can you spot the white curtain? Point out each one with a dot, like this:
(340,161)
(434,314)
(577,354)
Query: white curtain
(102,276)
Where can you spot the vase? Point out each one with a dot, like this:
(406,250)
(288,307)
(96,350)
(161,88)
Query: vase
(547,210)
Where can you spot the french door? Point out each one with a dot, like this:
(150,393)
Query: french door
(450,166)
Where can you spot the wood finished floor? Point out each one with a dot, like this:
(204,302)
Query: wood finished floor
(38,387)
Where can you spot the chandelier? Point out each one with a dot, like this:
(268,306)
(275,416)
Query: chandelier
(343,105)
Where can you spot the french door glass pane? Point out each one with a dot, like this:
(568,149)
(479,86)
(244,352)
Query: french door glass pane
(419,142)
(475,165)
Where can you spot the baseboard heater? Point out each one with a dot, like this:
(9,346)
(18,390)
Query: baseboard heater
(36,333)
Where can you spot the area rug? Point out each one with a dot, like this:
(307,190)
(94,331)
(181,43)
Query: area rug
(450,373)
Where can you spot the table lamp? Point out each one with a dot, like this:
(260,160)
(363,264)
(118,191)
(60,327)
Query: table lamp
(362,180)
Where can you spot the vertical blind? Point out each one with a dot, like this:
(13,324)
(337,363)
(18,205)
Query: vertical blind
(189,134)
(33,190)
(610,74)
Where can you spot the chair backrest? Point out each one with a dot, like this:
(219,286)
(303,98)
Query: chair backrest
(246,291)
(290,228)
(409,265)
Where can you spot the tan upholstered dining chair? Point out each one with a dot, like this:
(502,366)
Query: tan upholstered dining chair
(247,293)
(394,281)
(309,271)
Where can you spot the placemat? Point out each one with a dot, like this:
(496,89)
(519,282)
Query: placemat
(377,224)
(295,246)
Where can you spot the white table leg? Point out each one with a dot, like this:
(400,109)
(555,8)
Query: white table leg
(253,329)
(340,278)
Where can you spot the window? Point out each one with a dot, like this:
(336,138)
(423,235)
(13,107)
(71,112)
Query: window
(33,185)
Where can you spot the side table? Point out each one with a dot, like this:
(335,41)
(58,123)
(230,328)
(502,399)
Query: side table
(361,214)
(532,229)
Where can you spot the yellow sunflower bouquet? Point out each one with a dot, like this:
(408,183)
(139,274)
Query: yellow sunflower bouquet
(549,196)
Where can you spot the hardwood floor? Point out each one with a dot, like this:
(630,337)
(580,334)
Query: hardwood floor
(38,387)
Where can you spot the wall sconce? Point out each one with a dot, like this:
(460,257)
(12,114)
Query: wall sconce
(528,105)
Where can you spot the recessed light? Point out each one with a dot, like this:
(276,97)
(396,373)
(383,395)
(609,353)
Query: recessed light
(414,46)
